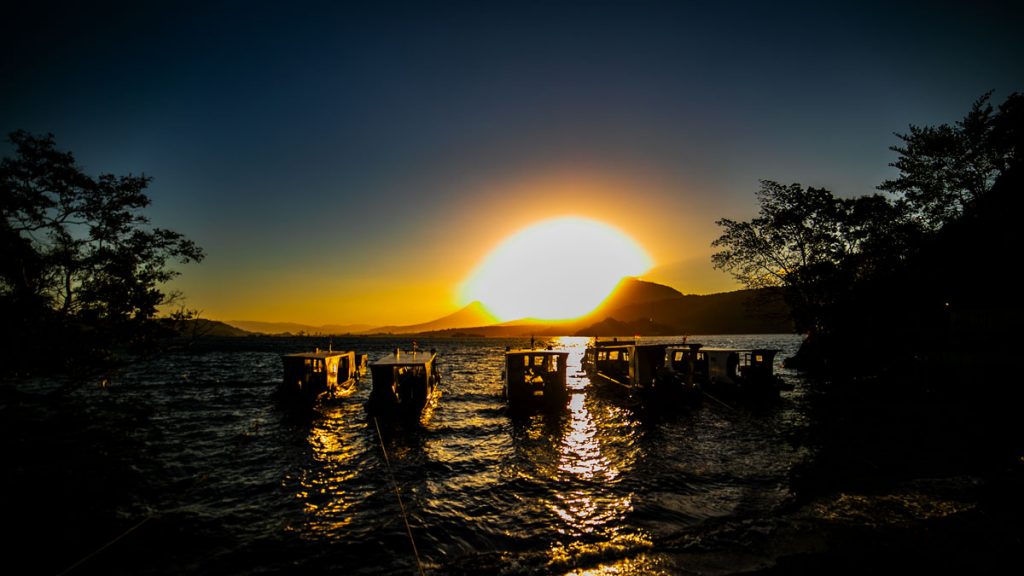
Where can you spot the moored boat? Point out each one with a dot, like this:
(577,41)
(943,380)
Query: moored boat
(321,374)
(361,360)
(591,353)
(743,374)
(535,378)
(403,382)
(625,369)
(683,372)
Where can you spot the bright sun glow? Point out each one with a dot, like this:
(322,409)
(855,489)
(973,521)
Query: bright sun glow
(556,269)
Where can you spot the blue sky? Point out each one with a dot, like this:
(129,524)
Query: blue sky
(306,146)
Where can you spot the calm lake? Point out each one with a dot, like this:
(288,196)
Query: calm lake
(226,482)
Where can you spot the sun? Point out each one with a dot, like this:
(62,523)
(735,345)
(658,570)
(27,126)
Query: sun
(554,270)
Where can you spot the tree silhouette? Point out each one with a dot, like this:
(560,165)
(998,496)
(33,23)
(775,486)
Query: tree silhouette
(851,267)
(80,262)
(946,168)
(797,241)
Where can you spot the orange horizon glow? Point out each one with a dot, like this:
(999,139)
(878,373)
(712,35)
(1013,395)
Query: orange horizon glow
(414,274)
(556,269)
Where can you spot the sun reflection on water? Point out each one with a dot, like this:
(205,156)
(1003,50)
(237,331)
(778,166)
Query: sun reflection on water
(580,450)
(622,556)
(590,505)
(576,346)
(327,506)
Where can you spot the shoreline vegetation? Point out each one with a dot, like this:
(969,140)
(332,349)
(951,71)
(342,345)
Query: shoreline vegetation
(906,300)
(911,320)
(83,269)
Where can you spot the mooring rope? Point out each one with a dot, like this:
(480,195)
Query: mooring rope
(105,546)
(717,400)
(139,524)
(401,505)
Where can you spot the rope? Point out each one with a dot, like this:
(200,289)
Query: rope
(105,546)
(717,400)
(401,506)
(140,523)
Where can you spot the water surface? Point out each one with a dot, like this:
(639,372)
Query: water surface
(237,485)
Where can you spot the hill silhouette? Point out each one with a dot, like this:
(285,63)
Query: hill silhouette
(290,328)
(636,307)
(202,327)
(738,312)
(633,292)
(472,314)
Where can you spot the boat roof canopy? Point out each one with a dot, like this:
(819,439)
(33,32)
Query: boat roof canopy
(405,359)
(319,354)
(621,345)
(535,352)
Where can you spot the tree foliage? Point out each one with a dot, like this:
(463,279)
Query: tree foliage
(796,241)
(796,228)
(852,265)
(813,244)
(944,169)
(79,255)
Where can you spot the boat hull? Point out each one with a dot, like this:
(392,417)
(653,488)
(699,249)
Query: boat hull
(310,377)
(535,379)
(403,384)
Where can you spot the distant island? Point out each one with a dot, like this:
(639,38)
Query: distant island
(636,307)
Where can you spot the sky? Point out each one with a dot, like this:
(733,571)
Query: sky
(353,162)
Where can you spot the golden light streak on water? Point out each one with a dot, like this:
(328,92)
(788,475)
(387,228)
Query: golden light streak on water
(326,503)
(581,451)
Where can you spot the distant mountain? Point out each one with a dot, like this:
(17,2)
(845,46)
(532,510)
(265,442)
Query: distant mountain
(635,307)
(696,274)
(472,315)
(633,292)
(638,307)
(628,292)
(294,328)
(202,327)
(612,327)
(739,312)
(496,331)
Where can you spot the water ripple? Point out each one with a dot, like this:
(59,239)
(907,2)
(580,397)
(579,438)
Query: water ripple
(594,487)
